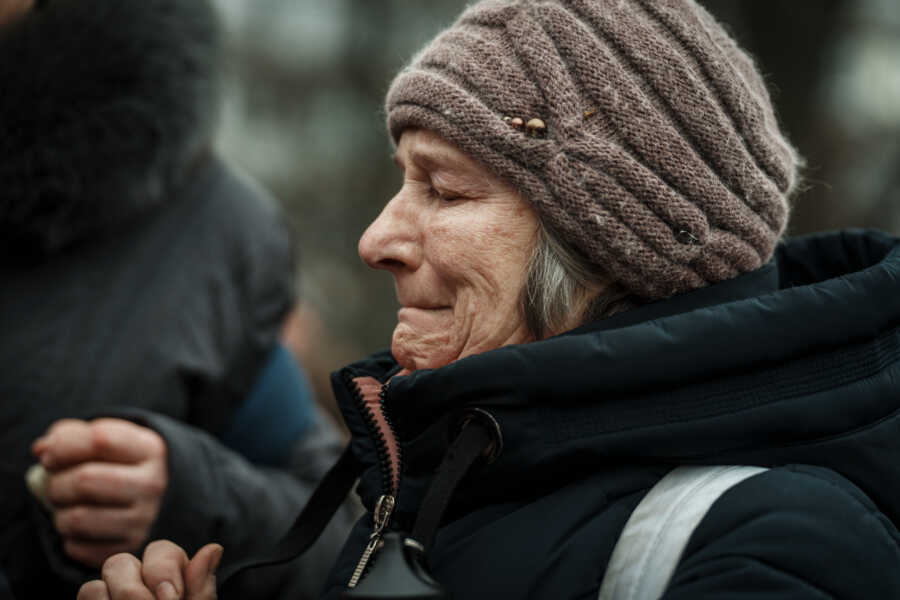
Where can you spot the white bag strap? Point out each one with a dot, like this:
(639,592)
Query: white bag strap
(650,546)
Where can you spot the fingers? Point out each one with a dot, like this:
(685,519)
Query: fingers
(200,575)
(122,576)
(91,534)
(102,508)
(167,591)
(103,483)
(65,438)
(40,445)
(94,590)
(164,563)
(71,441)
(161,576)
(100,523)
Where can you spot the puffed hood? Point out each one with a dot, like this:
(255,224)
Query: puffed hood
(105,106)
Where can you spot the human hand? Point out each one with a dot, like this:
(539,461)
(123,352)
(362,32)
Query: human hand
(106,481)
(165,574)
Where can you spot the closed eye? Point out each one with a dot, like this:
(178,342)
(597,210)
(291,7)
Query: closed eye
(444,195)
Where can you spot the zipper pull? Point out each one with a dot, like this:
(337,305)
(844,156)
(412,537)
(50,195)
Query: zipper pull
(383,510)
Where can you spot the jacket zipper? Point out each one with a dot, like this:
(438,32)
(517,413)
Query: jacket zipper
(382,516)
(369,394)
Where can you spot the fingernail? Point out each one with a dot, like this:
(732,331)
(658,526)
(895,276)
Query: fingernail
(41,446)
(216,559)
(166,591)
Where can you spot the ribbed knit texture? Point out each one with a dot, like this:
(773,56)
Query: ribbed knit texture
(661,161)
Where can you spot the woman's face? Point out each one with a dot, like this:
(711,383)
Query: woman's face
(457,240)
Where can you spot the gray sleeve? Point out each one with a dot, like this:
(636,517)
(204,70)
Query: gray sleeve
(216,494)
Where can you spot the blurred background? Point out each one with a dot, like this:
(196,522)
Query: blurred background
(303,114)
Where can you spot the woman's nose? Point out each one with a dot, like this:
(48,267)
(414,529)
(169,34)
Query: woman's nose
(391,241)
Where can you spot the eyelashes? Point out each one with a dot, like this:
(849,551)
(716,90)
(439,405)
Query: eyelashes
(425,183)
(443,196)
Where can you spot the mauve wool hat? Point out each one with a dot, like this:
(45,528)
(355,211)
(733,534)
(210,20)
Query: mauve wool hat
(660,158)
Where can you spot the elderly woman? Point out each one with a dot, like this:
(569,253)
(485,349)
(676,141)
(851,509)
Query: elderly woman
(597,325)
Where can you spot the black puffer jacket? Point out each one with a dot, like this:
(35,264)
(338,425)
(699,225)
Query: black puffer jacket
(795,366)
(140,278)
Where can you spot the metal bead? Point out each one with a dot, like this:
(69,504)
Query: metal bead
(535,126)
(687,238)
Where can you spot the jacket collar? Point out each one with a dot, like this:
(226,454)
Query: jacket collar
(748,285)
(725,375)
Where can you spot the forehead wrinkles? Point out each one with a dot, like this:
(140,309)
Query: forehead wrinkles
(429,152)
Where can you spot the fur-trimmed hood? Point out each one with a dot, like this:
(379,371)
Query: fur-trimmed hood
(104,106)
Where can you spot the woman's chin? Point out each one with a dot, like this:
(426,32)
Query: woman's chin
(416,348)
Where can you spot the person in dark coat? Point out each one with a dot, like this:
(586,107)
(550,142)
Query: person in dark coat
(144,287)
(598,304)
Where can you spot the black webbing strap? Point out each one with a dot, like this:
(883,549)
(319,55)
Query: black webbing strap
(471,443)
(310,523)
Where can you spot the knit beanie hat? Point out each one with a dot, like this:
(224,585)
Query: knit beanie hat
(640,132)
